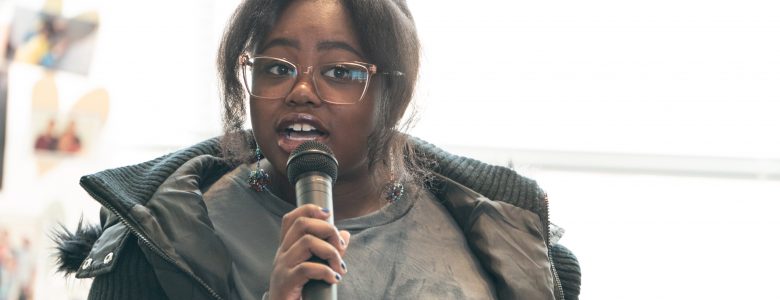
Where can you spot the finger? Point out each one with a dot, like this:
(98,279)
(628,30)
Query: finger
(310,248)
(313,271)
(316,227)
(345,236)
(308,210)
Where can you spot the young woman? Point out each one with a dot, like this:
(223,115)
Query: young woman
(219,221)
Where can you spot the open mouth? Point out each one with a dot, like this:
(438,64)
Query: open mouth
(302,132)
(294,129)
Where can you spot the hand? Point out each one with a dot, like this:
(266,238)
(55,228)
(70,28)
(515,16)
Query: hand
(306,233)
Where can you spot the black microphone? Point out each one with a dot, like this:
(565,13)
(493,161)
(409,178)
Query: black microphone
(313,169)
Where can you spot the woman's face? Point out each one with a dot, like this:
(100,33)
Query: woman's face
(311,33)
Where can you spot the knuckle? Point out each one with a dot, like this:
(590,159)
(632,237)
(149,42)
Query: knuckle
(287,218)
(301,222)
(334,254)
(309,241)
(299,271)
(308,209)
(335,232)
(306,271)
(311,271)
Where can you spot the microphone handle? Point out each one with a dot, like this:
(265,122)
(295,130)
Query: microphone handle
(316,188)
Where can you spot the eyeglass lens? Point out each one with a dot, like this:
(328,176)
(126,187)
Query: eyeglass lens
(337,82)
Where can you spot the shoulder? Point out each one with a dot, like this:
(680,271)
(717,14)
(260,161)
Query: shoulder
(133,277)
(491,181)
(120,191)
(120,271)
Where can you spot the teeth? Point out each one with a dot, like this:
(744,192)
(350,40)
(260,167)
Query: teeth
(301,127)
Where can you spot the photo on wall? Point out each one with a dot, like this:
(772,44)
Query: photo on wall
(48,57)
(64,124)
(66,130)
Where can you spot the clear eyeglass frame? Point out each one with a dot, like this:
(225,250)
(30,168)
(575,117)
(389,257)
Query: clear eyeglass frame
(246,62)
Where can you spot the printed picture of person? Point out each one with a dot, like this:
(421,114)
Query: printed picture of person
(47,140)
(69,141)
(66,142)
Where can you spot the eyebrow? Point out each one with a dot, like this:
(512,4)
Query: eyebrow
(282,42)
(328,45)
(321,46)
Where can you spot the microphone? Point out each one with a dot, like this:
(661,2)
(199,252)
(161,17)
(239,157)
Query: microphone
(312,169)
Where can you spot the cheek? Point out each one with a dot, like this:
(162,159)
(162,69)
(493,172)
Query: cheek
(262,113)
(369,109)
(355,127)
(255,113)
(262,126)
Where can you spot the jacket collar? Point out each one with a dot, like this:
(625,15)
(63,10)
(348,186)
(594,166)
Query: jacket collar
(122,188)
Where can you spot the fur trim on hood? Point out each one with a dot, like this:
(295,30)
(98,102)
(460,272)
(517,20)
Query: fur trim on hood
(73,247)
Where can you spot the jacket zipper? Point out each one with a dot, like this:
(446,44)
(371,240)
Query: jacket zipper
(556,279)
(151,246)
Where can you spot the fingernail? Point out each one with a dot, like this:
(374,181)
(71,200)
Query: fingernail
(343,243)
(343,265)
(338,277)
(325,210)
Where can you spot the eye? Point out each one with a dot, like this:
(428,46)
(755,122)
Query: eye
(268,67)
(279,69)
(345,72)
(337,72)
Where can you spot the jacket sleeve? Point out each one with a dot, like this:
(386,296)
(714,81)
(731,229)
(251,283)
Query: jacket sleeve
(132,278)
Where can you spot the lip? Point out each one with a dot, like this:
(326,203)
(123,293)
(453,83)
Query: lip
(287,144)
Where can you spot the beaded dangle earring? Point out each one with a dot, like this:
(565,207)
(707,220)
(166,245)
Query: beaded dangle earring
(394,191)
(258,178)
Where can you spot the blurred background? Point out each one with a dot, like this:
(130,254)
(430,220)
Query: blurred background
(653,125)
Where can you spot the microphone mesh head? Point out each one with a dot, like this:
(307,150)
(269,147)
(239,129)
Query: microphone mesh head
(311,156)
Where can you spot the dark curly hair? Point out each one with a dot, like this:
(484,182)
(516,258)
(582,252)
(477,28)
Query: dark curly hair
(388,35)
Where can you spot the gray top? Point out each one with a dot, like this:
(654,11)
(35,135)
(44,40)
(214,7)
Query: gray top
(394,253)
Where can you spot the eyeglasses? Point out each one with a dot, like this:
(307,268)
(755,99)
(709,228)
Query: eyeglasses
(271,78)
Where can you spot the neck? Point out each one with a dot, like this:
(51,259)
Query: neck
(354,195)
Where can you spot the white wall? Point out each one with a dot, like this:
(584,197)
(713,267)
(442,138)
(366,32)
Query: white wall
(641,236)
(688,77)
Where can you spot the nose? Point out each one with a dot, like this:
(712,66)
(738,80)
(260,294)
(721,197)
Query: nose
(303,91)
